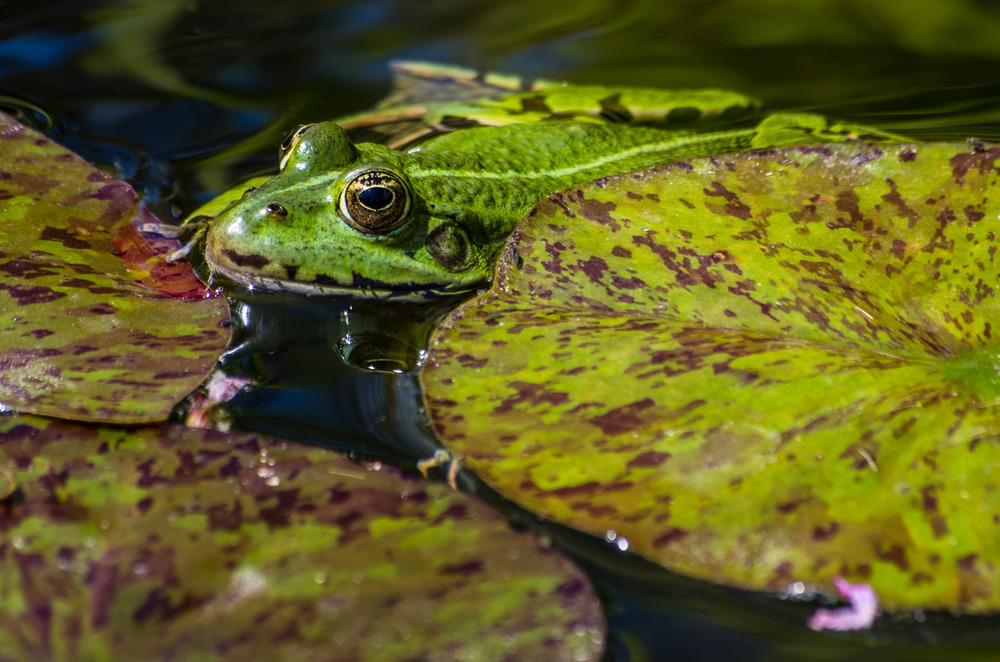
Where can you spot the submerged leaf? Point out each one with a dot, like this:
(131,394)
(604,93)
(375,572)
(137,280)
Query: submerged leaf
(166,542)
(755,369)
(82,339)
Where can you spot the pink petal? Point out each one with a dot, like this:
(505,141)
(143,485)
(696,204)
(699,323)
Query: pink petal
(858,616)
(223,388)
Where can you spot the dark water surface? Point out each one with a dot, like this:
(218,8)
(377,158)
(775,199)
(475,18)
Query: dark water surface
(184,98)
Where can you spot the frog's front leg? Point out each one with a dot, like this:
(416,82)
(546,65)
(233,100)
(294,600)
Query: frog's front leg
(190,233)
(192,229)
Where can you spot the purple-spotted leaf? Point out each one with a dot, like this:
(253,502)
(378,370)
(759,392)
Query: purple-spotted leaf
(164,542)
(84,335)
(755,369)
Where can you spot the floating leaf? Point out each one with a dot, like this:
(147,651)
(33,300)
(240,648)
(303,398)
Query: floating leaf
(83,339)
(755,369)
(166,542)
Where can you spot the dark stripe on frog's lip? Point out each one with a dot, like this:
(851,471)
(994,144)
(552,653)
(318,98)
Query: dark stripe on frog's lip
(361,287)
(255,261)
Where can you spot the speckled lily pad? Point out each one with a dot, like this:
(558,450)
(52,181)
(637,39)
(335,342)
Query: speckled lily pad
(755,369)
(169,543)
(87,334)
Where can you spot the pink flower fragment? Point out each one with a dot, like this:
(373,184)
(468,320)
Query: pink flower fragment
(858,616)
(220,388)
(223,388)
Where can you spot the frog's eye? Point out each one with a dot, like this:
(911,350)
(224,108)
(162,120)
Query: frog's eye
(289,143)
(375,202)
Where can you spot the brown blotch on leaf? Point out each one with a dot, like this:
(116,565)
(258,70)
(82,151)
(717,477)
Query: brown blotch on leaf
(26,269)
(821,533)
(599,212)
(533,394)
(967,564)
(848,202)
(787,507)
(621,251)
(594,268)
(670,536)
(896,199)
(572,590)
(31,295)
(648,459)
(584,489)
(469,361)
(982,161)
(226,518)
(622,419)
(894,554)
(468,568)
(973,215)
(64,237)
(734,206)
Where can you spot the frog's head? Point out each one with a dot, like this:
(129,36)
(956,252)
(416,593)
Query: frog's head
(342,218)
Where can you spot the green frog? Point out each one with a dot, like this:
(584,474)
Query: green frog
(368,221)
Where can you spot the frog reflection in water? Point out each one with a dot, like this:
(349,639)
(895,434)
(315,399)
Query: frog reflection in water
(367,221)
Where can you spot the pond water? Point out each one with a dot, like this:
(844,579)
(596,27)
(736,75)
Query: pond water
(183,99)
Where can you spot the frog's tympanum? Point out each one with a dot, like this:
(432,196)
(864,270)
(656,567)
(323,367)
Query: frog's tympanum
(366,220)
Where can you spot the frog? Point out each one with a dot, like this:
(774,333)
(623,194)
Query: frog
(370,221)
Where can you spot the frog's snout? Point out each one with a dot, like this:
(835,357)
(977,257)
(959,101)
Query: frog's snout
(225,235)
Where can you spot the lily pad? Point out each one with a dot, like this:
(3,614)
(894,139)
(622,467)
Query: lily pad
(755,369)
(166,542)
(88,335)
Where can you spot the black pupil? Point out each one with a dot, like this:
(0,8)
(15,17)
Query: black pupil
(376,197)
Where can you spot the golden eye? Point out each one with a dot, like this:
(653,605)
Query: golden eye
(289,143)
(375,202)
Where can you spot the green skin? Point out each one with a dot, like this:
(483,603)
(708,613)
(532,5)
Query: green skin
(465,191)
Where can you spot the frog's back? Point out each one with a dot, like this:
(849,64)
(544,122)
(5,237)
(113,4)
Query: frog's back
(512,167)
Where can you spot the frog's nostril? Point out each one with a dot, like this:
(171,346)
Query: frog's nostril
(275,209)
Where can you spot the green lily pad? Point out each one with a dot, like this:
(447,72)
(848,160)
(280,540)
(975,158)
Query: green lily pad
(165,542)
(755,369)
(90,335)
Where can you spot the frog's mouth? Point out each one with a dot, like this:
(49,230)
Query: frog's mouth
(359,288)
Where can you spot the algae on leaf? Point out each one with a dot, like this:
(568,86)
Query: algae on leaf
(87,334)
(757,369)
